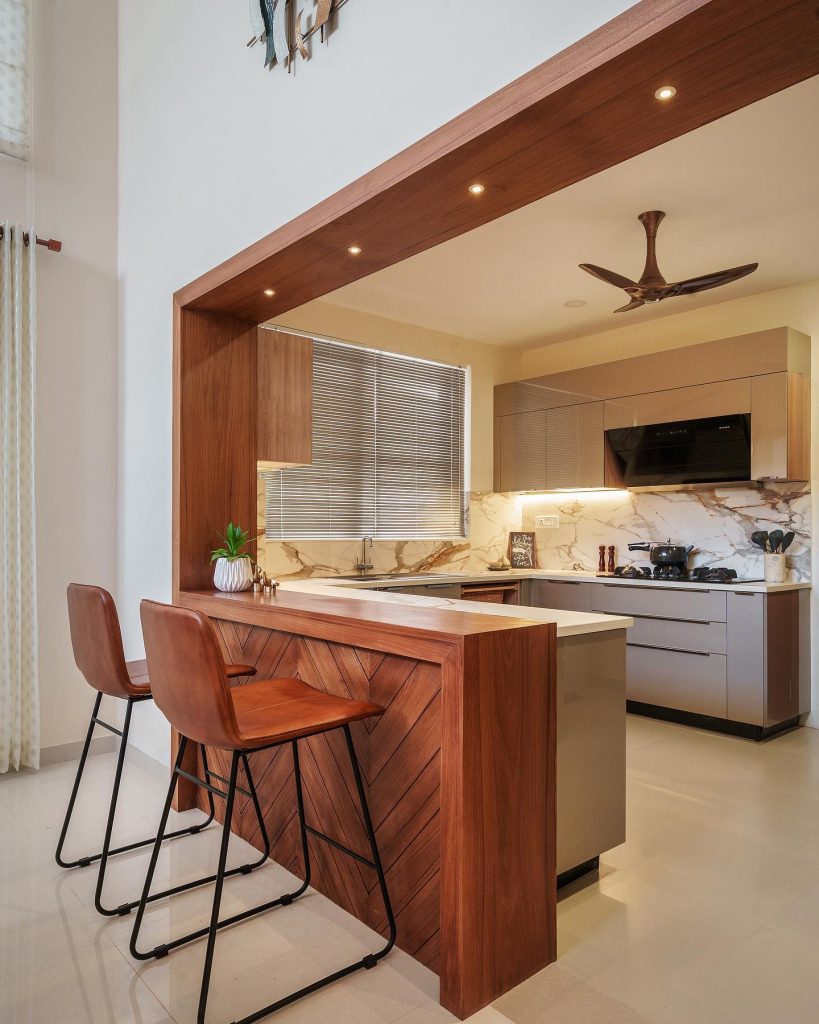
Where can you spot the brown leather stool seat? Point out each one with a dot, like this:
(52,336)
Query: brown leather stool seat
(190,686)
(96,639)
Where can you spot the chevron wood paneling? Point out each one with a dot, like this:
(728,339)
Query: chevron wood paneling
(400,760)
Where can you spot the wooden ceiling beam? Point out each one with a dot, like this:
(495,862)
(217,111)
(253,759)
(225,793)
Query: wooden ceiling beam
(584,110)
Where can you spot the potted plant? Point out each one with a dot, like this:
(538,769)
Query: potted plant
(234,567)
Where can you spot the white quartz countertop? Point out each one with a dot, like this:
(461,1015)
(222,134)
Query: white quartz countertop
(422,579)
(568,623)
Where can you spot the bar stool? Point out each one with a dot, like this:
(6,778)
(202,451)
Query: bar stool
(191,689)
(97,643)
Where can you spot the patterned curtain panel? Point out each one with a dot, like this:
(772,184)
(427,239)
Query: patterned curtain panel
(19,699)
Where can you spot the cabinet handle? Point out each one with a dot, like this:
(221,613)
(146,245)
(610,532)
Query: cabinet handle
(677,590)
(744,593)
(668,618)
(565,583)
(673,650)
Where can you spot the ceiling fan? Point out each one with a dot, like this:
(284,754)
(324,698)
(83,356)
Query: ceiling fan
(652,286)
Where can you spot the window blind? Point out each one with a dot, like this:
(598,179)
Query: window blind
(14,78)
(388,451)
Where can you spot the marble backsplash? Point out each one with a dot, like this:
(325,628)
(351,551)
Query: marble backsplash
(491,517)
(717,521)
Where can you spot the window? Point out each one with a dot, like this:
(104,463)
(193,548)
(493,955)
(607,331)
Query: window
(14,78)
(388,451)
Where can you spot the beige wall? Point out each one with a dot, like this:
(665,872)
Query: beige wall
(797,306)
(487,362)
(68,191)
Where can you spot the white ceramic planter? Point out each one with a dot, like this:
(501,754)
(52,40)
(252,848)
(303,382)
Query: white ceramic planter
(775,569)
(233,575)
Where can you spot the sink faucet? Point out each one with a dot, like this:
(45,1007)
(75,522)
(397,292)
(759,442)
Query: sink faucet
(363,565)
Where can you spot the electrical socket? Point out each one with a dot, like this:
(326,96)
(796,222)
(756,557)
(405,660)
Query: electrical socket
(547,522)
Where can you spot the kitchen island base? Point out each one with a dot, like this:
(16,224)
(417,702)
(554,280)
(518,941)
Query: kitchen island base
(459,774)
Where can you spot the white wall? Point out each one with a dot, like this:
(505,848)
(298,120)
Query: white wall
(215,152)
(69,192)
(797,306)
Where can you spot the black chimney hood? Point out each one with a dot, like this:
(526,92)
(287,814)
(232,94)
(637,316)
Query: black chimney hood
(712,450)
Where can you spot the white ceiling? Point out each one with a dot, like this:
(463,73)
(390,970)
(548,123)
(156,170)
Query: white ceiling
(740,190)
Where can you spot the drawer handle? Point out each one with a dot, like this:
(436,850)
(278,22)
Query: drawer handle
(567,583)
(674,650)
(677,590)
(666,618)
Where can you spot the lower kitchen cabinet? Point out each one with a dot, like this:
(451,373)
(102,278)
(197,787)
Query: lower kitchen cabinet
(692,681)
(739,657)
(568,595)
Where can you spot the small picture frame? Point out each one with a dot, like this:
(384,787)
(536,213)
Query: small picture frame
(522,550)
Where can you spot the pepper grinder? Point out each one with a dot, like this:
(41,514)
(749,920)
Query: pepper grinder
(601,558)
(611,559)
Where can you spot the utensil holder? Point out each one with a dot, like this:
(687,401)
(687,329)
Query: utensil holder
(774,567)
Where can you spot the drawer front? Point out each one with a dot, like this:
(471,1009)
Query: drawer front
(697,605)
(671,679)
(708,637)
(566,595)
(448,590)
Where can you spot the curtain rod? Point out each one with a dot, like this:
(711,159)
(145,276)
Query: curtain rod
(52,244)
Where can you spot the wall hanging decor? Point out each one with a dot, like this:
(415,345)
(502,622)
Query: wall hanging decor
(285,26)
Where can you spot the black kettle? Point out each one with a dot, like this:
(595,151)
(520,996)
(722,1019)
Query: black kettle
(664,554)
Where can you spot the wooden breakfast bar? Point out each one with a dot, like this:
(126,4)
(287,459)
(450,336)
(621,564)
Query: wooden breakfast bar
(459,772)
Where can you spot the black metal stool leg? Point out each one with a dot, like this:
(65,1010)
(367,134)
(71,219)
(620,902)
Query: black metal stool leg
(112,810)
(72,799)
(217,890)
(163,821)
(107,852)
(379,868)
(366,962)
(244,869)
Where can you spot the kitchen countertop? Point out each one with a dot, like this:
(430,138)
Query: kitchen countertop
(757,586)
(568,623)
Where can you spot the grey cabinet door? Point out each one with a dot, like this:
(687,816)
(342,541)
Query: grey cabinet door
(745,645)
(522,452)
(673,679)
(692,603)
(566,595)
(574,446)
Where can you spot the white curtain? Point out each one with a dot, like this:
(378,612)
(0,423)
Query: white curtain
(19,698)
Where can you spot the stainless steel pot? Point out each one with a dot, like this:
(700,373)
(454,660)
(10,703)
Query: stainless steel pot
(664,554)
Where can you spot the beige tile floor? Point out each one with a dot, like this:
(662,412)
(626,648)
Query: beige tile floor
(709,914)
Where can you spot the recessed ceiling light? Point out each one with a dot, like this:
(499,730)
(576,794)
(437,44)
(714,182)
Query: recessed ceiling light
(575,303)
(665,92)
(477,188)
(270,292)
(354,250)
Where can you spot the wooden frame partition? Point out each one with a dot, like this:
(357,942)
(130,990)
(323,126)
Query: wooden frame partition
(586,109)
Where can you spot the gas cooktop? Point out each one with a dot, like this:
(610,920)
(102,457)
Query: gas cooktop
(679,574)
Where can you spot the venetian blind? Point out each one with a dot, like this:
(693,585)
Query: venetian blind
(388,451)
(14,78)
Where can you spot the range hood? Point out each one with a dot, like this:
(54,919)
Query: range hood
(700,451)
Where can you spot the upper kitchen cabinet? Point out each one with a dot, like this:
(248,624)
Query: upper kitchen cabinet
(521,452)
(574,446)
(780,427)
(284,400)
(762,377)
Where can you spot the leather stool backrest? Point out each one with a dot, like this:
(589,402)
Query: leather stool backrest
(187,674)
(97,640)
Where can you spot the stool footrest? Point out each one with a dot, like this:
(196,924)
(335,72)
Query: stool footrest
(340,846)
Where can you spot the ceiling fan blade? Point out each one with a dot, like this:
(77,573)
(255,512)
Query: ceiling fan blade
(608,276)
(706,281)
(634,304)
